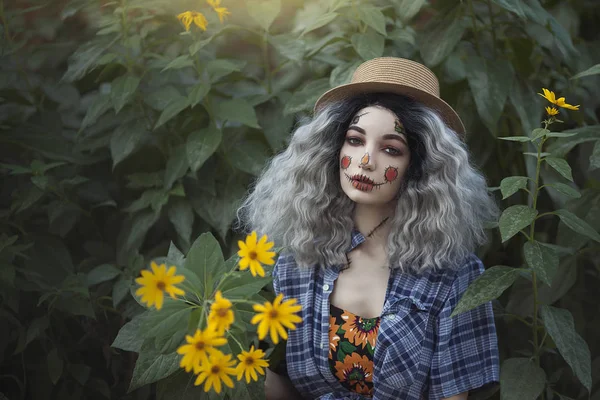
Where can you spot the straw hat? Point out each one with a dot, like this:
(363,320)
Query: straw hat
(400,76)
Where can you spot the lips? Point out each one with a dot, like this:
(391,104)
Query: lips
(362,182)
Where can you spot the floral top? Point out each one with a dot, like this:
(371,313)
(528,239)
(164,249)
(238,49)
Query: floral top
(351,348)
(421,352)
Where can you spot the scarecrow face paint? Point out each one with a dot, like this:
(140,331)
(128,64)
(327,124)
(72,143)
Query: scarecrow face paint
(374,157)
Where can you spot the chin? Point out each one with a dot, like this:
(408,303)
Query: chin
(373,198)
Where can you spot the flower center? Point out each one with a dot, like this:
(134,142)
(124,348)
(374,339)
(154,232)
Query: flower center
(273,314)
(215,369)
(161,286)
(253,255)
(222,312)
(200,346)
(249,361)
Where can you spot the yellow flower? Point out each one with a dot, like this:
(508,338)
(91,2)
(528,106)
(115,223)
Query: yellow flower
(221,315)
(199,347)
(222,12)
(253,254)
(251,362)
(551,97)
(197,18)
(214,3)
(156,283)
(551,111)
(216,369)
(274,317)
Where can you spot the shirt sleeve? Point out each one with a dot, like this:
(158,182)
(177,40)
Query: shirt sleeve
(466,352)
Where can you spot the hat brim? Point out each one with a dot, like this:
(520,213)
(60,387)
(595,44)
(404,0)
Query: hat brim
(447,113)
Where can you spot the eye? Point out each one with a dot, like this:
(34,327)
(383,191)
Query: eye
(392,151)
(353,141)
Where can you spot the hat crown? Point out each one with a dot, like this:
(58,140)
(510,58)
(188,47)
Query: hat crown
(397,71)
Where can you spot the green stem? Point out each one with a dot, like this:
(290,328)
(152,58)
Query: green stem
(536,344)
(266,61)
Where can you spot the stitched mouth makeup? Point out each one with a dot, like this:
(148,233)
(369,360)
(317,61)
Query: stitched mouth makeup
(363,182)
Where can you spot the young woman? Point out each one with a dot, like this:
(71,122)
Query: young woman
(379,211)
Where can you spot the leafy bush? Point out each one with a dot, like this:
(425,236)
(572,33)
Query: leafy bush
(121,131)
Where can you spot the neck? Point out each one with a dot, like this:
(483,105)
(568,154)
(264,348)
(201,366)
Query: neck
(369,217)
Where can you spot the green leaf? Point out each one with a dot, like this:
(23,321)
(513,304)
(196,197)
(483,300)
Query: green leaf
(174,108)
(490,285)
(305,98)
(490,83)
(172,317)
(564,189)
(515,218)
(37,327)
(175,256)
(205,259)
(511,185)
(538,133)
(342,73)
(180,386)
(55,365)
(219,68)
(201,145)
(562,146)
(559,325)
(101,104)
(120,290)
(249,157)
(595,70)
(436,44)
(562,134)
(368,45)
(263,12)
(182,61)
(162,97)
(543,260)
(319,22)
(347,347)
(577,224)
(127,138)
(102,273)
(407,9)
(561,166)
(177,165)
(131,335)
(198,92)
(152,366)
(514,6)
(181,216)
(526,153)
(521,379)
(219,210)
(289,46)
(123,90)
(155,198)
(242,285)
(238,110)
(276,126)
(373,17)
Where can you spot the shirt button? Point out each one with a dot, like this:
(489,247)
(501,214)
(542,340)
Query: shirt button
(321,345)
(325,287)
(390,317)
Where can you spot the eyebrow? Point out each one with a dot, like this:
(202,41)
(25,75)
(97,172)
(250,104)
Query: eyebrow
(392,136)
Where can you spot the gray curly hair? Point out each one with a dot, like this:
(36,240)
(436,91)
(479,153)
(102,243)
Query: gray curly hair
(441,207)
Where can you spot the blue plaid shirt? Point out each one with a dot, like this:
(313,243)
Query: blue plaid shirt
(421,353)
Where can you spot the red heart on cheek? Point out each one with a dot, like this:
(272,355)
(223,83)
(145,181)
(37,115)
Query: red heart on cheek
(345,163)
(391,174)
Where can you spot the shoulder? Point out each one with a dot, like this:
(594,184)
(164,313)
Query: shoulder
(288,277)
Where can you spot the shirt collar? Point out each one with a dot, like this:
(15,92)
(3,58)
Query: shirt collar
(356,239)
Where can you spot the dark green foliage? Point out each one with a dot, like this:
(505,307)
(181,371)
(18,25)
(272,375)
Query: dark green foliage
(120,133)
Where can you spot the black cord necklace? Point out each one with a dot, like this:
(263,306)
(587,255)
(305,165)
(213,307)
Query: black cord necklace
(377,227)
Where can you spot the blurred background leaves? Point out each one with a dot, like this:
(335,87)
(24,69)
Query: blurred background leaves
(121,132)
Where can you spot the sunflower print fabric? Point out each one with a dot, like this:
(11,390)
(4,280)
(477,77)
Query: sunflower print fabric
(351,347)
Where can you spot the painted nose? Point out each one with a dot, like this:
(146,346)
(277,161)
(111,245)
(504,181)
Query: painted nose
(366,162)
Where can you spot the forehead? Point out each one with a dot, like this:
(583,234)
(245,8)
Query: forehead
(375,117)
